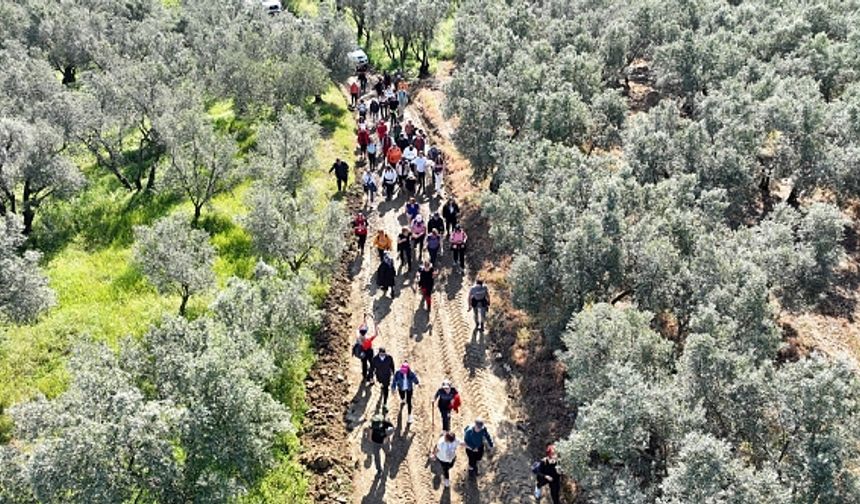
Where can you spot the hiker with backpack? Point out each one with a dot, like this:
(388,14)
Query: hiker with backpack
(368,184)
(363,349)
(405,380)
(425,283)
(476,436)
(548,472)
(404,248)
(379,431)
(447,399)
(451,214)
(386,274)
(383,368)
(479,301)
(359,228)
(458,241)
(445,452)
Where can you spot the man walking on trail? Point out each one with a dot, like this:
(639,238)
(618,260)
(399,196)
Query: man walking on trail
(364,348)
(383,367)
(354,90)
(419,231)
(341,173)
(379,431)
(425,283)
(479,301)
(381,242)
(474,439)
(458,246)
(451,213)
(446,399)
(404,248)
(405,381)
(436,222)
(445,452)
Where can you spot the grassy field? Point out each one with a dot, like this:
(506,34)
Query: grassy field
(102,296)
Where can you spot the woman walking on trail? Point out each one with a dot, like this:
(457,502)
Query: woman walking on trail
(389,181)
(549,473)
(446,399)
(475,437)
(405,381)
(382,242)
(359,227)
(419,231)
(363,140)
(445,452)
(372,159)
(386,274)
(425,283)
(458,246)
(438,170)
(412,209)
(364,348)
(434,245)
(404,248)
(436,222)
(368,184)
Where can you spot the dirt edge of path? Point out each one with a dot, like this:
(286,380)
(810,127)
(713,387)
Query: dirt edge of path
(514,342)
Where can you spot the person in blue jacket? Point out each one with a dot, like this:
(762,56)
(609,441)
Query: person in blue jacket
(474,439)
(405,380)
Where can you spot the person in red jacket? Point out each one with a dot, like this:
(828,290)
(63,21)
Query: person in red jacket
(381,129)
(353,93)
(359,227)
(365,343)
(363,140)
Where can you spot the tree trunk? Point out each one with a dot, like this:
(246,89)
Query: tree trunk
(150,179)
(196,219)
(184,303)
(69,75)
(29,213)
(793,197)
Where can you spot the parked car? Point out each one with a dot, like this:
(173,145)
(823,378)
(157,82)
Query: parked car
(358,58)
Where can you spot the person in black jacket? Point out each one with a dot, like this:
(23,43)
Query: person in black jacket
(341,173)
(548,473)
(383,367)
(451,213)
(436,222)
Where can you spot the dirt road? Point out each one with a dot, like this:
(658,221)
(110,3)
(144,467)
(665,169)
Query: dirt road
(439,344)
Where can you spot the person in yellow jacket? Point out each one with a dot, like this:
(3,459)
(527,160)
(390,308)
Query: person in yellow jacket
(382,242)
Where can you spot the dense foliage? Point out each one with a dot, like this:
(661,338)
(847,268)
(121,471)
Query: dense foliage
(119,96)
(659,248)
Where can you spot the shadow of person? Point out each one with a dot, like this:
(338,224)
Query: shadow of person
(400,447)
(376,493)
(421,322)
(355,268)
(454,283)
(381,307)
(358,405)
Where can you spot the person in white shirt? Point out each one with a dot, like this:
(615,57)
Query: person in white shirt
(421,171)
(368,183)
(410,153)
(389,180)
(445,452)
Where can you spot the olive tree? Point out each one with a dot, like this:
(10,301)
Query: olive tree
(24,291)
(285,151)
(175,257)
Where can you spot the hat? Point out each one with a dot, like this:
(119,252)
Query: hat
(446,383)
(404,368)
(479,422)
(458,226)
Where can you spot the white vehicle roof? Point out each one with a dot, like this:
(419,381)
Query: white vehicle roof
(357,56)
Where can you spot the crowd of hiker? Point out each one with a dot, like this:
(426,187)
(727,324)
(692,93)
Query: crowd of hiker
(398,158)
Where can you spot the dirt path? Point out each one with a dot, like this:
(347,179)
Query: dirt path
(439,344)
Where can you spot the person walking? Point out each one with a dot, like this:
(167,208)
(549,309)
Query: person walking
(368,184)
(405,380)
(359,228)
(341,173)
(386,274)
(394,155)
(362,110)
(381,242)
(374,109)
(381,129)
(419,232)
(438,170)
(435,222)
(404,248)
(476,436)
(458,241)
(379,431)
(354,90)
(363,139)
(383,368)
(420,163)
(479,302)
(364,348)
(549,473)
(425,283)
(445,452)
(372,159)
(447,400)
(412,209)
(434,246)
(389,181)
(451,213)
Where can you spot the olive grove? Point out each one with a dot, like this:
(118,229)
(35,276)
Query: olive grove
(657,248)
